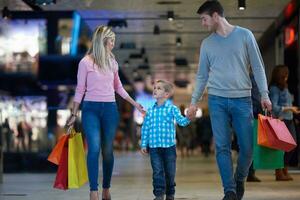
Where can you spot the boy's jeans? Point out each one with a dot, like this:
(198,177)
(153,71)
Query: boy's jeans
(163,162)
(238,112)
(99,121)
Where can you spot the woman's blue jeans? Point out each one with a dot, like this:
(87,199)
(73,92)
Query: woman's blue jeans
(237,112)
(100,121)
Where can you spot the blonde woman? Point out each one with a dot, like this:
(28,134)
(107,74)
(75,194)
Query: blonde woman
(97,81)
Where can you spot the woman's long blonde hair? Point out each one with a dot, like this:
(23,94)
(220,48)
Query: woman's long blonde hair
(98,51)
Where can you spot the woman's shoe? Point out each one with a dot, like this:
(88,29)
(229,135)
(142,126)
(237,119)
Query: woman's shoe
(286,173)
(279,175)
(106,192)
(94,195)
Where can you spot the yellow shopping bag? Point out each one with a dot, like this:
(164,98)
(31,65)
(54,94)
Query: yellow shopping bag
(77,169)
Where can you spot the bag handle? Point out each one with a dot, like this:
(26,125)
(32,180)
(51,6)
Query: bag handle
(267,113)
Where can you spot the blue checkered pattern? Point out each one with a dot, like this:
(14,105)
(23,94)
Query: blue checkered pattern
(158,129)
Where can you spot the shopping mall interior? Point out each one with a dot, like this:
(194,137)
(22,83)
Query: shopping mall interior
(41,45)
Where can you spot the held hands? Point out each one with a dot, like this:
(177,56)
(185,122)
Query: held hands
(191,113)
(266,104)
(144,151)
(140,108)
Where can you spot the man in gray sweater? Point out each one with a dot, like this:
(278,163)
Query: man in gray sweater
(226,56)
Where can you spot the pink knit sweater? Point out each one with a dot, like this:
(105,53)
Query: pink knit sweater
(96,85)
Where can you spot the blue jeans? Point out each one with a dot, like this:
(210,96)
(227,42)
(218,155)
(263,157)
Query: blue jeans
(163,162)
(99,121)
(238,113)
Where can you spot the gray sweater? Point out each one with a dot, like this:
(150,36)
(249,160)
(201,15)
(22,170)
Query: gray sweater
(224,66)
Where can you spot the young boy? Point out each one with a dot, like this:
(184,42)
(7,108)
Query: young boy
(158,139)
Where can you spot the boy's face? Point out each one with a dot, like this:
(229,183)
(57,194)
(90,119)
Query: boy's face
(159,91)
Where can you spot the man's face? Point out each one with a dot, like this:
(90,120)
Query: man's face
(208,21)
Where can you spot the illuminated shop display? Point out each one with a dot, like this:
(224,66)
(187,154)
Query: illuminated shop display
(27,119)
(21,41)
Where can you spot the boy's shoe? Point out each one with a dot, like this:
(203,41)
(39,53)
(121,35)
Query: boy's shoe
(159,197)
(240,189)
(230,196)
(170,197)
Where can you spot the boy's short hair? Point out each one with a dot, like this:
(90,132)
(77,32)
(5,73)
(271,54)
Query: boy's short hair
(168,87)
(211,6)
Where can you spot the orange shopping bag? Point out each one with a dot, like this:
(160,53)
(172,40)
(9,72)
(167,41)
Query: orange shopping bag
(264,135)
(55,155)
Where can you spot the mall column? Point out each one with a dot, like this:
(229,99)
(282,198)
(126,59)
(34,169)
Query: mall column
(1,163)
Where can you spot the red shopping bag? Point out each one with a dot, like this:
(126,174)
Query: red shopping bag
(274,134)
(283,138)
(55,154)
(61,180)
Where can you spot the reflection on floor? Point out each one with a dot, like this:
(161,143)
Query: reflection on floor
(197,179)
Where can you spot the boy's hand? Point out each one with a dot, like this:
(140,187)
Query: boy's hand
(191,113)
(144,151)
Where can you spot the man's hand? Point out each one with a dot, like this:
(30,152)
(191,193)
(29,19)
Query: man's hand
(144,151)
(191,113)
(266,104)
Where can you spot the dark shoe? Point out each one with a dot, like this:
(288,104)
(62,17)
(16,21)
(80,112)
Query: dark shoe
(253,178)
(159,197)
(279,175)
(230,196)
(170,197)
(240,190)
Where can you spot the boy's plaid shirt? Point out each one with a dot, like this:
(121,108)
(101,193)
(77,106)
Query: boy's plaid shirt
(158,128)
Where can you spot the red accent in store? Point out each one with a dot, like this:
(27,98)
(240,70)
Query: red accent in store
(289,9)
(290,35)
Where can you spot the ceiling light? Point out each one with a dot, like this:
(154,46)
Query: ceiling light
(170,15)
(242,4)
(117,23)
(6,13)
(178,41)
(156,30)
(41,2)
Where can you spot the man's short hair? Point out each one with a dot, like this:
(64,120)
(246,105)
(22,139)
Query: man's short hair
(210,7)
(168,87)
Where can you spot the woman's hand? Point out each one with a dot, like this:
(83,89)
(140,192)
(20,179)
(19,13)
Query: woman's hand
(295,109)
(71,121)
(140,108)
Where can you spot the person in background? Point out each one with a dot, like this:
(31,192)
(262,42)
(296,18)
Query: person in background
(97,81)
(283,109)
(256,107)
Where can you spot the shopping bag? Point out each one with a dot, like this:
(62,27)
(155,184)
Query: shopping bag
(283,139)
(55,154)
(264,132)
(77,169)
(61,180)
(273,133)
(264,157)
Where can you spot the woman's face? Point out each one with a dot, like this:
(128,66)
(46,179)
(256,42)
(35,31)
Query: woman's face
(110,43)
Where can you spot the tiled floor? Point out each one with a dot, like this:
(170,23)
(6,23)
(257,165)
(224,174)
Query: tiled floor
(197,178)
